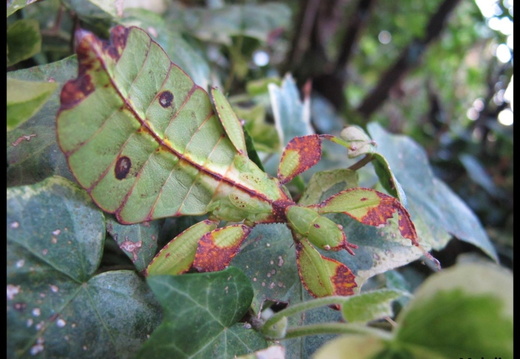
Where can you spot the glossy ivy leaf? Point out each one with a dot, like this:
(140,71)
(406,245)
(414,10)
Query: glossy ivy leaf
(137,241)
(465,311)
(268,258)
(201,316)
(99,14)
(436,211)
(56,305)
(178,255)
(25,98)
(324,184)
(32,151)
(23,40)
(368,306)
(462,311)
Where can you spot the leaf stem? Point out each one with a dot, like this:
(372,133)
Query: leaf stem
(361,162)
(336,328)
(304,306)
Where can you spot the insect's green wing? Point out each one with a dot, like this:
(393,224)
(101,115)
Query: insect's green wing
(144,140)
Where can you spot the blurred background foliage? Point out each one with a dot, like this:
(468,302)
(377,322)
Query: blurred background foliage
(439,71)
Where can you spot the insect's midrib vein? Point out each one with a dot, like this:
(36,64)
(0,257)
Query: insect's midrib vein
(251,192)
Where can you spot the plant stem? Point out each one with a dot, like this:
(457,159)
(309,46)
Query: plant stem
(301,307)
(335,328)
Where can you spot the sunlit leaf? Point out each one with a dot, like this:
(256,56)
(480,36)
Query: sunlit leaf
(23,40)
(24,99)
(32,151)
(368,306)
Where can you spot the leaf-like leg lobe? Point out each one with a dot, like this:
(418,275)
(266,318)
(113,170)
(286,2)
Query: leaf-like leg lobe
(217,248)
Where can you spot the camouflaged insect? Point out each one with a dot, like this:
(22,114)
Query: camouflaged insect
(146,142)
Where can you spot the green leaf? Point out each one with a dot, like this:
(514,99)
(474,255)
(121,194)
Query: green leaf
(137,241)
(324,184)
(100,14)
(201,314)
(56,306)
(359,347)
(23,40)
(478,174)
(369,306)
(25,98)
(251,20)
(15,5)
(465,311)
(435,209)
(182,53)
(291,115)
(32,151)
(268,258)
(462,312)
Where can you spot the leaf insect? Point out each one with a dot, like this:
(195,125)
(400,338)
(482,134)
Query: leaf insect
(146,142)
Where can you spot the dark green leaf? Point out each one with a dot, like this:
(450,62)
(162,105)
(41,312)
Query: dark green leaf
(201,314)
(137,241)
(437,211)
(23,40)
(32,151)
(251,20)
(56,307)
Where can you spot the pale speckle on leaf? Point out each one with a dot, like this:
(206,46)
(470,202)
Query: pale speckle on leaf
(12,290)
(61,323)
